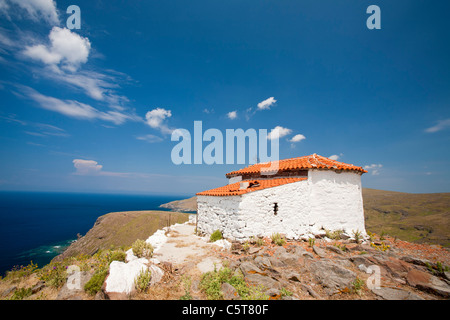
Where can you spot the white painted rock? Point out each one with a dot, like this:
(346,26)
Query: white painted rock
(122,275)
(157,239)
(157,274)
(223,243)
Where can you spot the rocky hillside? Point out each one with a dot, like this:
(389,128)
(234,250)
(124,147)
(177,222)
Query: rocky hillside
(418,218)
(121,229)
(322,268)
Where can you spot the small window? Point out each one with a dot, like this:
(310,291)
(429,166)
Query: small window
(275,208)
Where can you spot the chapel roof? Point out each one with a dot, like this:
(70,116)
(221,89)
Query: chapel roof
(313,161)
(236,188)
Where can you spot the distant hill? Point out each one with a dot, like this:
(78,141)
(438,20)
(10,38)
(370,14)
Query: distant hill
(182,205)
(419,218)
(121,229)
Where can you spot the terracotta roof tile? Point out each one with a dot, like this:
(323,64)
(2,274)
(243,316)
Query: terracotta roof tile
(313,161)
(234,189)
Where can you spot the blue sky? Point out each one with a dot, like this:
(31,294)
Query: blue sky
(91,110)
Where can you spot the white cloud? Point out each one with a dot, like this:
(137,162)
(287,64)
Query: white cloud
(92,168)
(278,132)
(374,168)
(297,138)
(66,48)
(150,138)
(232,115)
(334,157)
(45,130)
(86,167)
(35,9)
(266,104)
(441,125)
(75,109)
(156,117)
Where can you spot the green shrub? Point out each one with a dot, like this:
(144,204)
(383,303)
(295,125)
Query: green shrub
(142,249)
(259,242)
(95,284)
(277,239)
(358,284)
(22,271)
(335,235)
(357,235)
(142,282)
(212,281)
(285,292)
(54,274)
(311,241)
(117,255)
(187,288)
(21,293)
(216,235)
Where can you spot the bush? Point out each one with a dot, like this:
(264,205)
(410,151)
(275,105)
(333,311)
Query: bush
(142,281)
(357,235)
(212,281)
(216,235)
(358,285)
(54,274)
(21,293)
(22,271)
(95,284)
(278,239)
(187,288)
(117,255)
(142,249)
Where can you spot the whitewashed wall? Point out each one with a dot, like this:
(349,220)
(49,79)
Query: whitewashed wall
(218,213)
(336,200)
(292,218)
(326,200)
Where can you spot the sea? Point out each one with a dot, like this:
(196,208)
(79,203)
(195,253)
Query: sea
(37,226)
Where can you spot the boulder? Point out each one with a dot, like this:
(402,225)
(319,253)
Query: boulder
(261,280)
(332,276)
(274,261)
(229,292)
(299,251)
(428,283)
(9,291)
(395,294)
(279,251)
(249,268)
(120,280)
(74,286)
(263,263)
(157,274)
(289,258)
(320,252)
(254,250)
(293,276)
(310,290)
(38,287)
(416,261)
(334,249)
(273,293)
